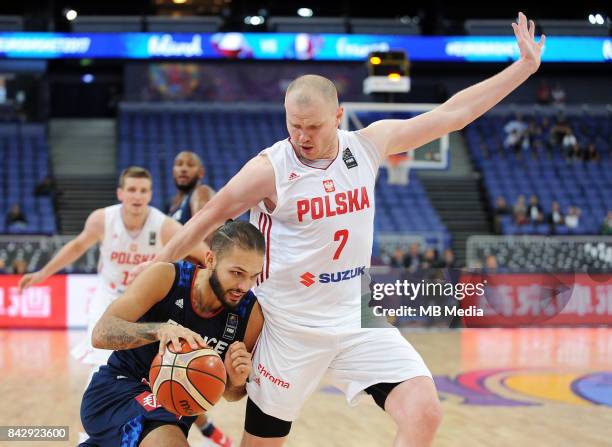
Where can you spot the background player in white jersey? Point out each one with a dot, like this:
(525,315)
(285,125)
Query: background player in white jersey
(129,233)
(319,239)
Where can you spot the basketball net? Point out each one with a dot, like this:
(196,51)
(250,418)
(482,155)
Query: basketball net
(398,168)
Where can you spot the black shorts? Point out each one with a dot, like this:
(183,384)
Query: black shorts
(260,424)
(380,392)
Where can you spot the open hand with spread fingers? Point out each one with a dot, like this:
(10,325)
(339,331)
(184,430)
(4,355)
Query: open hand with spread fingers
(531,51)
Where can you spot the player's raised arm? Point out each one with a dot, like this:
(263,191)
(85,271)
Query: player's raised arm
(395,136)
(252,184)
(92,232)
(170,227)
(117,328)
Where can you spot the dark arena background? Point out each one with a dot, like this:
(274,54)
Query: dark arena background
(519,201)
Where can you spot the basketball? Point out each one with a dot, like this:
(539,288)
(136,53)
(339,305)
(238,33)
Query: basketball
(189,382)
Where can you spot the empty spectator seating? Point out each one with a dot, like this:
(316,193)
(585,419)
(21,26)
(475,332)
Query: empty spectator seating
(24,162)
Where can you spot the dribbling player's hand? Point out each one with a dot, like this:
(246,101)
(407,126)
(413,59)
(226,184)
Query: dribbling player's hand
(171,333)
(238,363)
(137,270)
(29,280)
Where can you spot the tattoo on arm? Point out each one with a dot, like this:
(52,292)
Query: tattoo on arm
(118,334)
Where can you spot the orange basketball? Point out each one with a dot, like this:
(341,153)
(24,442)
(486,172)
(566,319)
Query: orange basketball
(189,382)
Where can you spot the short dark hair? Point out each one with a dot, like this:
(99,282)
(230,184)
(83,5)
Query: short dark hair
(134,172)
(236,233)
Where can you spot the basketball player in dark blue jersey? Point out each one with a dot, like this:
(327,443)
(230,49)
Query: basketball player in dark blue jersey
(188,172)
(210,306)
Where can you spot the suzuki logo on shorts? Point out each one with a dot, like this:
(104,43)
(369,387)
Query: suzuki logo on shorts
(308,279)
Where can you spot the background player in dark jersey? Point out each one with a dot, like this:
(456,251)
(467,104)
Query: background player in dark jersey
(188,172)
(164,304)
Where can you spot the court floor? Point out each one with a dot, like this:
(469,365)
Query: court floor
(544,387)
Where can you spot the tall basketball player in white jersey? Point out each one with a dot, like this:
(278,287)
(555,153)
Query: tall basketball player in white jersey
(312,196)
(129,233)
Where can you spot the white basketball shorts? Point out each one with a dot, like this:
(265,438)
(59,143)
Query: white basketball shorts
(289,362)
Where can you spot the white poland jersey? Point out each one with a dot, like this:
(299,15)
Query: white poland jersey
(120,252)
(319,236)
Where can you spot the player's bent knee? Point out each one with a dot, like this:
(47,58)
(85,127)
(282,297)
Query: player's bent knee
(415,399)
(168,435)
(431,413)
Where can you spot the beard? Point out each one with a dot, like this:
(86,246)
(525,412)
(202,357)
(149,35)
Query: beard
(187,187)
(217,289)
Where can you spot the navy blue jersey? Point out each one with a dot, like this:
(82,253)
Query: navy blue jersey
(183,212)
(219,330)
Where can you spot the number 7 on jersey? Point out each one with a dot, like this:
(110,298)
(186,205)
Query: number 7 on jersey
(342,236)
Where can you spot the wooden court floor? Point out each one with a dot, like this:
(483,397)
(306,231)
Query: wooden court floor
(520,387)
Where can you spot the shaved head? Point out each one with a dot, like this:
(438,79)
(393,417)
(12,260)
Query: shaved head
(309,89)
(313,116)
(189,154)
